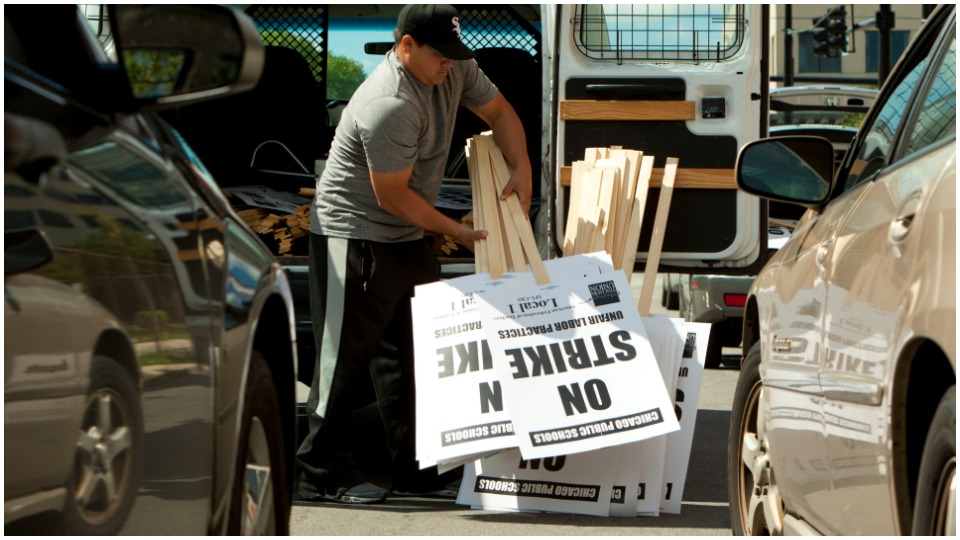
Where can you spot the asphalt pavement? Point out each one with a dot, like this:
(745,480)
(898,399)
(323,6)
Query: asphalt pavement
(704,511)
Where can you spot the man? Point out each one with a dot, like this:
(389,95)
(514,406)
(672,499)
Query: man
(367,253)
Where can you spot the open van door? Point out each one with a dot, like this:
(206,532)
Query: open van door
(673,80)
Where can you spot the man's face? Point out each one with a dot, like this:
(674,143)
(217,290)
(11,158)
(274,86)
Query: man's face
(425,64)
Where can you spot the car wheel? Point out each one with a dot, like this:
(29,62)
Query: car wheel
(108,456)
(714,349)
(934,512)
(669,298)
(755,504)
(260,500)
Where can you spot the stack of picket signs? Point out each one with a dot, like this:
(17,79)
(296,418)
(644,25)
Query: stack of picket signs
(545,382)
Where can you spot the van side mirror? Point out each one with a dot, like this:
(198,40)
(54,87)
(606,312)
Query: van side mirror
(797,169)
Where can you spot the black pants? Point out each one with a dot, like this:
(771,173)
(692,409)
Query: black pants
(360,301)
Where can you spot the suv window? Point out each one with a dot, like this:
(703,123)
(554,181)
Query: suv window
(937,119)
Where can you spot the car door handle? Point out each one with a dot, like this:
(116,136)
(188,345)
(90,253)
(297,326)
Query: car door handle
(900,226)
(824,249)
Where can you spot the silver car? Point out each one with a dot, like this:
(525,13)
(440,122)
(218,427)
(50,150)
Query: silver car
(823,111)
(844,416)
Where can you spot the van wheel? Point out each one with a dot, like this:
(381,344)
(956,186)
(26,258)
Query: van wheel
(756,508)
(934,511)
(108,456)
(260,503)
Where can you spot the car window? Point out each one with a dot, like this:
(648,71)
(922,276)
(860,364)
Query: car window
(131,176)
(937,119)
(877,147)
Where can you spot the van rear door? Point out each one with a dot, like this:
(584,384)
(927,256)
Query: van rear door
(696,73)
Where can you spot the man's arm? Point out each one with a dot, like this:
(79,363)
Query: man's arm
(510,138)
(395,196)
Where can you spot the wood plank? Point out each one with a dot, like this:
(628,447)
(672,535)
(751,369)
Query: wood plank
(656,239)
(589,192)
(588,109)
(481,261)
(629,186)
(685,179)
(636,216)
(573,207)
(608,194)
(488,191)
(501,173)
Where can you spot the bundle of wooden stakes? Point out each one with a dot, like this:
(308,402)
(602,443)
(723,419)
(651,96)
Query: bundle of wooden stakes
(608,196)
(510,244)
(283,229)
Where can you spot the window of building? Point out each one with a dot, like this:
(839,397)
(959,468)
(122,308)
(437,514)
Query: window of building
(898,42)
(675,32)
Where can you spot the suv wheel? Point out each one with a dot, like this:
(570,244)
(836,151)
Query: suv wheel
(755,504)
(260,500)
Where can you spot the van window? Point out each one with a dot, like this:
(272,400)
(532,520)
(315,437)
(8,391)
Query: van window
(675,32)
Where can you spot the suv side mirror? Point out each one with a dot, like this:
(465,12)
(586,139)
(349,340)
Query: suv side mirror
(794,169)
(173,54)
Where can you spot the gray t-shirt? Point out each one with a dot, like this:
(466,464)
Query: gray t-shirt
(392,122)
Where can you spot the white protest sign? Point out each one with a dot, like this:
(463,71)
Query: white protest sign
(575,484)
(680,444)
(623,499)
(459,406)
(667,343)
(575,365)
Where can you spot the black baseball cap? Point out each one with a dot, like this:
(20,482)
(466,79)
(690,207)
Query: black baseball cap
(437,26)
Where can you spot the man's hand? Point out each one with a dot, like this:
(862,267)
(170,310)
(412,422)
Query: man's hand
(509,136)
(467,236)
(520,184)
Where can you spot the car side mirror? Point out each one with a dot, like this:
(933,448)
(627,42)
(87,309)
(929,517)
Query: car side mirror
(796,169)
(173,53)
(25,250)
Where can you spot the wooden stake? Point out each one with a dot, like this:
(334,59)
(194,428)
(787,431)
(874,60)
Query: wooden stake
(501,173)
(573,208)
(481,262)
(636,216)
(656,240)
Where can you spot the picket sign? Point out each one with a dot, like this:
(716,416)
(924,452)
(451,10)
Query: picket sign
(575,364)
(547,384)
(645,475)
(680,443)
(667,340)
(574,484)
(459,407)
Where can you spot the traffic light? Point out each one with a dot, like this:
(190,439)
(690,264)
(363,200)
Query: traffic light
(830,32)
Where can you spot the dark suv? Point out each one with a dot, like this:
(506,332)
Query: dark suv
(149,351)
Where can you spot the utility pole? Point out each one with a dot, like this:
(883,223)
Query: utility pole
(788,45)
(885,24)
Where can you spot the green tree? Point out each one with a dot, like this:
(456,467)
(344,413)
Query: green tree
(345,76)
